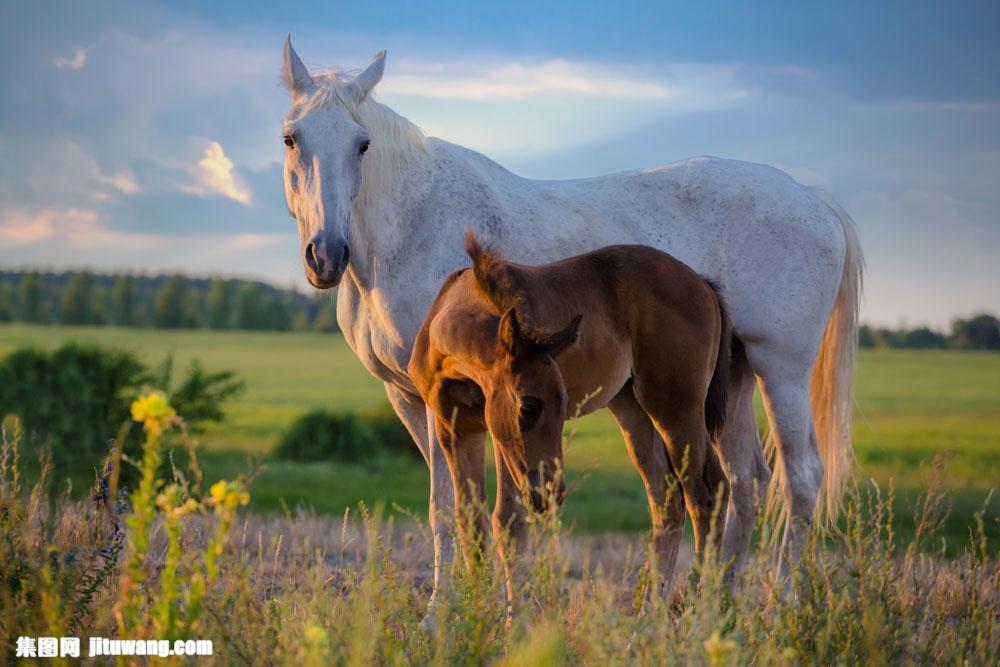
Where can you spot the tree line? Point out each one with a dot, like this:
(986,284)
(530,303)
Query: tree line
(163,301)
(979,332)
(180,302)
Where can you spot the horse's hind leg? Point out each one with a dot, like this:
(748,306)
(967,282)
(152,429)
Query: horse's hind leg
(784,385)
(666,502)
(743,461)
(679,416)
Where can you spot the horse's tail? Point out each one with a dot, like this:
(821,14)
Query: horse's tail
(715,400)
(831,387)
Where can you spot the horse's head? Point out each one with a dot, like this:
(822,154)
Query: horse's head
(324,147)
(526,406)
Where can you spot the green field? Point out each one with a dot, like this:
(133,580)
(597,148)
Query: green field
(911,405)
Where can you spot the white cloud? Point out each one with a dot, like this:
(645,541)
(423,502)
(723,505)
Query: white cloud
(20,227)
(686,86)
(512,81)
(254,240)
(512,110)
(122,181)
(73,228)
(216,174)
(74,62)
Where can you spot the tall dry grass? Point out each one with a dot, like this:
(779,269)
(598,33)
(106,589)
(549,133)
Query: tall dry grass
(309,590)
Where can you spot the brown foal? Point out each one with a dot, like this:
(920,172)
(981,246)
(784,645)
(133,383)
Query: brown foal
(508,348)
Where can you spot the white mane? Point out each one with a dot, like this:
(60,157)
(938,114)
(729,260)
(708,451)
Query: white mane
(395,140)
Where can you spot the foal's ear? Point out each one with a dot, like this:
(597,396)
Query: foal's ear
(465,392)
(364,83)
(509,334)
(557,342)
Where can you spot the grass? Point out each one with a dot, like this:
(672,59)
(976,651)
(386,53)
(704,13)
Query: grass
(308,590)
(911,405)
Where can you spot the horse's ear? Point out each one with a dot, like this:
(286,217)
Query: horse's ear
(367,80)
(557,342)
(509,334)
(295,75)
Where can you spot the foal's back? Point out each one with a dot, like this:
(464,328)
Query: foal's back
(640,307)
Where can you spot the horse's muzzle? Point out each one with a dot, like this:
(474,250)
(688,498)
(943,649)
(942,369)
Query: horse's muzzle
(325,261)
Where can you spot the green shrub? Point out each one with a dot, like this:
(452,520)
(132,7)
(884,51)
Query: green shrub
(323,435)
(390,434)
(71,399)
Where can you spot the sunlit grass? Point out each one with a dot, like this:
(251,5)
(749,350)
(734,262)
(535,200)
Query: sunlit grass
(307,590)
(911,405)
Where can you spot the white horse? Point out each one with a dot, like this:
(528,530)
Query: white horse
(382,211)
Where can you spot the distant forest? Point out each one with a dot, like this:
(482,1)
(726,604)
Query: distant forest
(978,332)
(162,301)
(179,302)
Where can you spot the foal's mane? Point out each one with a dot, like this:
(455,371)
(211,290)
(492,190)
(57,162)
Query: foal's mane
(496,279)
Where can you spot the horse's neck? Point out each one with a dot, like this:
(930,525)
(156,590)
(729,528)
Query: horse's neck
(391,183)
(402,243)
(398,220)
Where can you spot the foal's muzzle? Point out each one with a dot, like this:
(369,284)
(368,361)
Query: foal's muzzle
(540,495)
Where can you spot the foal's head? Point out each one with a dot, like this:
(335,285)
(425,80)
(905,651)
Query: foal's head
(526,406)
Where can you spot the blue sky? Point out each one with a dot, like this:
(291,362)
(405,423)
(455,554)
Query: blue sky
(144,136)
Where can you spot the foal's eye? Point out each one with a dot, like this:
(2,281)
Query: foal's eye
(289,141)
(363,148)
(531,410)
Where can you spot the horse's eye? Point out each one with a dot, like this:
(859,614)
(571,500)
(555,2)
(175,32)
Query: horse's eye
(363,148)
(289,141)
(531,410)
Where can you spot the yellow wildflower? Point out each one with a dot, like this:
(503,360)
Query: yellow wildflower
(153,411)
(228,495)
(218,490)
(720,650)
(315,634)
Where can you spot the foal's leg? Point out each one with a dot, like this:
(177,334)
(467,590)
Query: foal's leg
(465,456)
(649,455)
(680,421)
(508,524)
(743,461)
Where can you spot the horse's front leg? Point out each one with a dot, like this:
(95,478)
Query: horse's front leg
(418,420)
(465,454)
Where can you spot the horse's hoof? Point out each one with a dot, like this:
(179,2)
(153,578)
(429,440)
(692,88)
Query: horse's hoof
(429,623)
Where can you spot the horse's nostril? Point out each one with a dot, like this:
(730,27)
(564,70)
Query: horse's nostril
(347,254)
(311,260)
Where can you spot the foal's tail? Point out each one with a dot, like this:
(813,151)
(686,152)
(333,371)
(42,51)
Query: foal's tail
(715,401)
